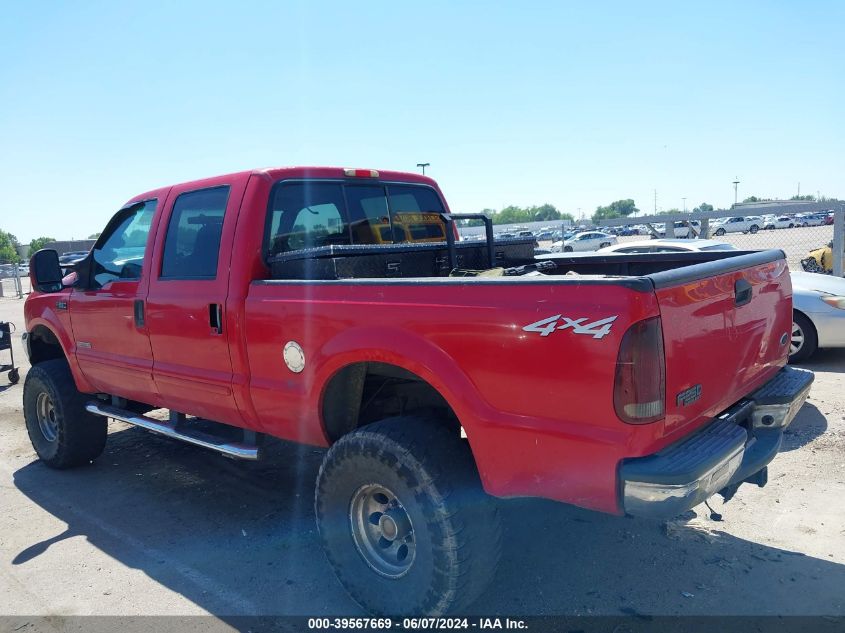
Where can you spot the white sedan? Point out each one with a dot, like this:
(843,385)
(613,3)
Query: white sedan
(668,246)
(586,241)
(778,222)
(818,314)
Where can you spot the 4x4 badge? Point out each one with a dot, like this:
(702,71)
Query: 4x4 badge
(597,329)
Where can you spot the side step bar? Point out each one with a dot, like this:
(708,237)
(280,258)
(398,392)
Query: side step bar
(237,450)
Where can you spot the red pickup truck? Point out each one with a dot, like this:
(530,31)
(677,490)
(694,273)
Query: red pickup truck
(335,307)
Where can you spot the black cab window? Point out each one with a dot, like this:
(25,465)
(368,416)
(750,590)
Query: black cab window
(311,214)
(306,215)
(192,244)
(119,253)
(369,216)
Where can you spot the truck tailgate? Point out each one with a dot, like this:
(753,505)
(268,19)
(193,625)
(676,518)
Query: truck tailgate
(726,331)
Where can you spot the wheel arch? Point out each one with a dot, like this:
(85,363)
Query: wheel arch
(806,316)
(43,344)
(47,339)
(354,397)
(409,357)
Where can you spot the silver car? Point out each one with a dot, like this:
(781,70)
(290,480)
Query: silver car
(818,314)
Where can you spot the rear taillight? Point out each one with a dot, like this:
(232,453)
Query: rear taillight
(640,386)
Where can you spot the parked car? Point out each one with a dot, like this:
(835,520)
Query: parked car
(811,219)
(586,241)
(629,230)
(771,222)
(818,314)
(829,218)
(72,257)
(681,228)
(736,224)
(679,245)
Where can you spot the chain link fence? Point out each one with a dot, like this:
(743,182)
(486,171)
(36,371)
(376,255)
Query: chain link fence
(14,280)
(812,235)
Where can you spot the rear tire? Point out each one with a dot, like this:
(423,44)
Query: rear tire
(14,376)
(62,432)
(604,244)
(754,228)
(403,519)
(804,341)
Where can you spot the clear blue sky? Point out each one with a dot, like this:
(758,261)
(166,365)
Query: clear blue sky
(511,103)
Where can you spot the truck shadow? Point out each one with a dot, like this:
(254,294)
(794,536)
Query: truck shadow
(830,359)
(239,539)
(807,426)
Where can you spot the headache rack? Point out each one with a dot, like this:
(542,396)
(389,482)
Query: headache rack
(405,259)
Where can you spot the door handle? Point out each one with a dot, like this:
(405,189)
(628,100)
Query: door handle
(138,309)
(742,292)
(215,318)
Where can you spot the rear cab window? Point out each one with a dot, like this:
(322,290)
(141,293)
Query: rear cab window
(311,214)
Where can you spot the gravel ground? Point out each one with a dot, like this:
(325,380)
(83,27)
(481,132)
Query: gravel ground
(158,527)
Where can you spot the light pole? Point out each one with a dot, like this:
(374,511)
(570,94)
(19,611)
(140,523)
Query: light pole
(685,204)
(736,182)
(423,165)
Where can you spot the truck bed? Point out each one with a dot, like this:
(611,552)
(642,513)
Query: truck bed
(522,358)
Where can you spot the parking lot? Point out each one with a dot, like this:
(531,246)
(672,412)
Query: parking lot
(796,242)
(158,527)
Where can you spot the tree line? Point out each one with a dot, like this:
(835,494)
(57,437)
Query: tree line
(9,245)
(513,214)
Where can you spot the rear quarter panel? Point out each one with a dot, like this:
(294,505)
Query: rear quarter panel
(538,410)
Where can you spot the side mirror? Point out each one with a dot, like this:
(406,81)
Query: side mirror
(46,271)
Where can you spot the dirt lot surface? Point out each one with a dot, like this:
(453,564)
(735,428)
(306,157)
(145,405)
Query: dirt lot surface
(158,527)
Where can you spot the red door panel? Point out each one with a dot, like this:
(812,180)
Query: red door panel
(112,351)
(186,309)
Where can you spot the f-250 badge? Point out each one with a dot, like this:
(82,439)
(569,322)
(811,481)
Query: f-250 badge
(597,329)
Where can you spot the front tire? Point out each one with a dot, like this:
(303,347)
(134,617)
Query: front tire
(62,432)
(754,228)
(719,232)
(567,249)
(804,341)
(403,519)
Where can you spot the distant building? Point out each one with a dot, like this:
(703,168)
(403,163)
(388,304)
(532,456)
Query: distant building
(70,246)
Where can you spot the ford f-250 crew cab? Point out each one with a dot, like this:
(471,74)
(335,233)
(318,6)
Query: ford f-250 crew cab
(309,304)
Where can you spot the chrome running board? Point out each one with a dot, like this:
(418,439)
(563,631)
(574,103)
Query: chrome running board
(197,438)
